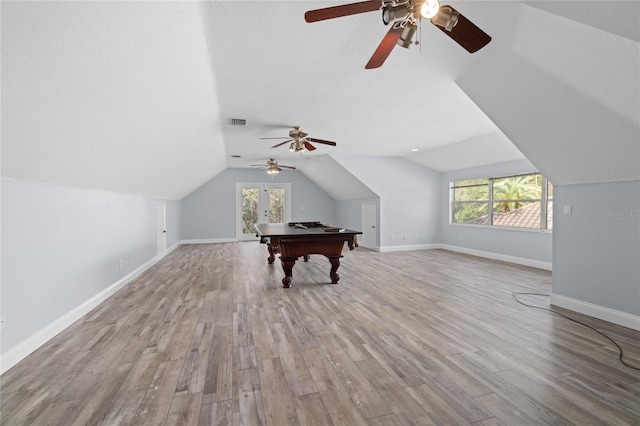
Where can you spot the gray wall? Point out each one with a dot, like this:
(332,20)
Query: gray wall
(534,245)
(210,211)
(349,214)
(409,198)
(61,247)
(596,250)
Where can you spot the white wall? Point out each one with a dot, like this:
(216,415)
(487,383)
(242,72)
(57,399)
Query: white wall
(533,248)
(210,211)
(409,198)
(596,250)
(65,249)
(569,99)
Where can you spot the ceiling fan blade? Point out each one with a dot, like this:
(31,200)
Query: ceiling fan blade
(258,165)
(279,137)
(321,141)
(385,47)
(308,146)
(281,143)
(342,10)
(466,33)
(287,167)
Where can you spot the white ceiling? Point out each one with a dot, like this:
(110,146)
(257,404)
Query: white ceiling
(137,96)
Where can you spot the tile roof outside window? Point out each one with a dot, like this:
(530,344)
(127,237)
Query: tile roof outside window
(524,217)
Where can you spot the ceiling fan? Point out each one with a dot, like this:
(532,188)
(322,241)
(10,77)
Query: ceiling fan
(300,141)
(404,16)
(272,166)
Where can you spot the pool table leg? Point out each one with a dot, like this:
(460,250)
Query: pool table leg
(272,253)
(335,264)
(287,266)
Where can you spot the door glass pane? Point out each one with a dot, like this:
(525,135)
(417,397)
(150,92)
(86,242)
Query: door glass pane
(276,205)
(249,210)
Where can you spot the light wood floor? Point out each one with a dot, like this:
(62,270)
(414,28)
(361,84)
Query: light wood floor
(209,336)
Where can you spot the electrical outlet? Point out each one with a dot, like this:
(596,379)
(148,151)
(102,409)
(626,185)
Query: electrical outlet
(120,264)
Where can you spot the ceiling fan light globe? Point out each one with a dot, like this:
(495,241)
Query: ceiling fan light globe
(273,169)
(446,18)
(429,8)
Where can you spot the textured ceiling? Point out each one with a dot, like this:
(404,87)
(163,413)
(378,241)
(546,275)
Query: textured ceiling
(137,96)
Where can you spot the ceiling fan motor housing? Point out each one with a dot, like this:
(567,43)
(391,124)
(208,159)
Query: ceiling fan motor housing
(297,133)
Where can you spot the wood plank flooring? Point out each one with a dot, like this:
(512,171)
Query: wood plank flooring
(208,336)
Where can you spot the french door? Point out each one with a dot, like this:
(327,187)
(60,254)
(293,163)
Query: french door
(260,203)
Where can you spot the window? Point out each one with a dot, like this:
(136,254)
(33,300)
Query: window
(520,201)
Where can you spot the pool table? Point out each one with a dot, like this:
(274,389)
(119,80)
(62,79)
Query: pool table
(301,239)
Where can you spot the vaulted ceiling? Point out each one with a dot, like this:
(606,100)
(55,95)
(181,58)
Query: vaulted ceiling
(137,97)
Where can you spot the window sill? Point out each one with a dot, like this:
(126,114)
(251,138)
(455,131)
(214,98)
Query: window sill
(504,228)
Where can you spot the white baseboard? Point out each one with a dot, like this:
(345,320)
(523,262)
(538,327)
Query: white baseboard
(388,249)
(210,241)
(42,336)
(172,248)
(480,253)
(498,256)
(610,315)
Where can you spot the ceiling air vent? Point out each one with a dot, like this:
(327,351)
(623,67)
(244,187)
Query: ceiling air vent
(238,121)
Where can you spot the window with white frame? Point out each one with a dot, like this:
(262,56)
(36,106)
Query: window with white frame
(517,201)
